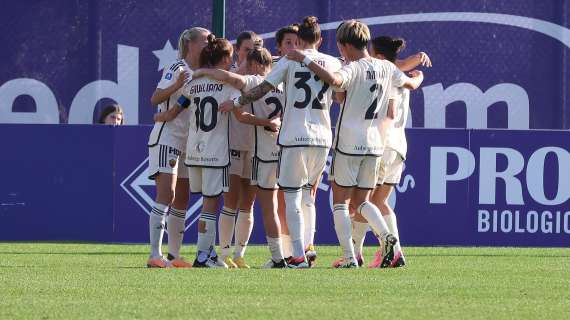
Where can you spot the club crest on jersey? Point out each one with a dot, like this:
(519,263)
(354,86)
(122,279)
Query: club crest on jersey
(168,76)
(172,163)
(200,146)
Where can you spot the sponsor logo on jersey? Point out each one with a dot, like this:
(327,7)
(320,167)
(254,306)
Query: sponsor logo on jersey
(168,76)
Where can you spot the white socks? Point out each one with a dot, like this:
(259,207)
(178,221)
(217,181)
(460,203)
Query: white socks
(207,239)
(175,227)
(343,229)
(287,245)
(392,223)
(295,221)
(275,248)
(156,228)
(244,226)
(226,226)
(374,218)
(309,216)
(359,230)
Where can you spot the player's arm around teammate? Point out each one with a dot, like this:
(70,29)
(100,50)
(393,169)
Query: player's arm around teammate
(166,144)
(258,64)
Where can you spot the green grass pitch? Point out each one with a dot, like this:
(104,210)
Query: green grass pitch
(94,281)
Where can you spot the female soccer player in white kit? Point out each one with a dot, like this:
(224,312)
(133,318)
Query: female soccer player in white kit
(305,135)
(392,163)
(166,144)
(358,144)
(241,195)
(265,114)
(207,150)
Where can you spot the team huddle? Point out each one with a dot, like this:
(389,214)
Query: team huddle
(258,129)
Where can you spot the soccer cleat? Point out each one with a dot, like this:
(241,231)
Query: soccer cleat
(159,262)
(288,259)
(230,262)
(177,262)
(240,262)
(311,255)
(348,263)
(275,265)
(298,263)
(339,261)
(398,261)
(388,250)
(208,261)
(377,260)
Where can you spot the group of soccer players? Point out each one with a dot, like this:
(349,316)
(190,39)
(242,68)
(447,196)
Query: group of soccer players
(258,128)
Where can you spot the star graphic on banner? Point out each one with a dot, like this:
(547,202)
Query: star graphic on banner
(166,55)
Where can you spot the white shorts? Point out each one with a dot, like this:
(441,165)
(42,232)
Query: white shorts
(264,174)
(354,171)
(300,166)
(391,167)
(240,163)
(165,159)
(210,182)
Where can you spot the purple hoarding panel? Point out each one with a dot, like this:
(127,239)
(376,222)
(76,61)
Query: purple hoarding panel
(57,183)
(459,187)
(496,65)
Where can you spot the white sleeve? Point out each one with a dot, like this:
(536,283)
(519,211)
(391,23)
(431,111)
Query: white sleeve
(347,74)
(169,76)
(278,73)
(251,82)
(398,78)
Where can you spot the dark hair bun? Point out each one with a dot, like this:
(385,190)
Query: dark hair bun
(211,39)
(310,21)
(399,44)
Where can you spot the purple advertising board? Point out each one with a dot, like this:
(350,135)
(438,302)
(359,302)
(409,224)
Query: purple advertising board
(498,64)
(459,187)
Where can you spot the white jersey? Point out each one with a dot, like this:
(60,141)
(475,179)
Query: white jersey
(270,106)
(368,82)
(208,144)
(175,132)
(396,136)
(306,118)
(241,135)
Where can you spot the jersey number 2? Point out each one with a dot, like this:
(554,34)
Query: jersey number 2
(276,111)
(371,112)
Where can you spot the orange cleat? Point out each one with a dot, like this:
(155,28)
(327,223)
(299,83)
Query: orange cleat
(157,263)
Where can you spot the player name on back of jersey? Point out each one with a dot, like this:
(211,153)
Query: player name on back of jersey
(320,62)
(375,74)
(206,87)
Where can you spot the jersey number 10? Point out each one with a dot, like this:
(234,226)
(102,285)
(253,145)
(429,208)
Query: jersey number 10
(201,105)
